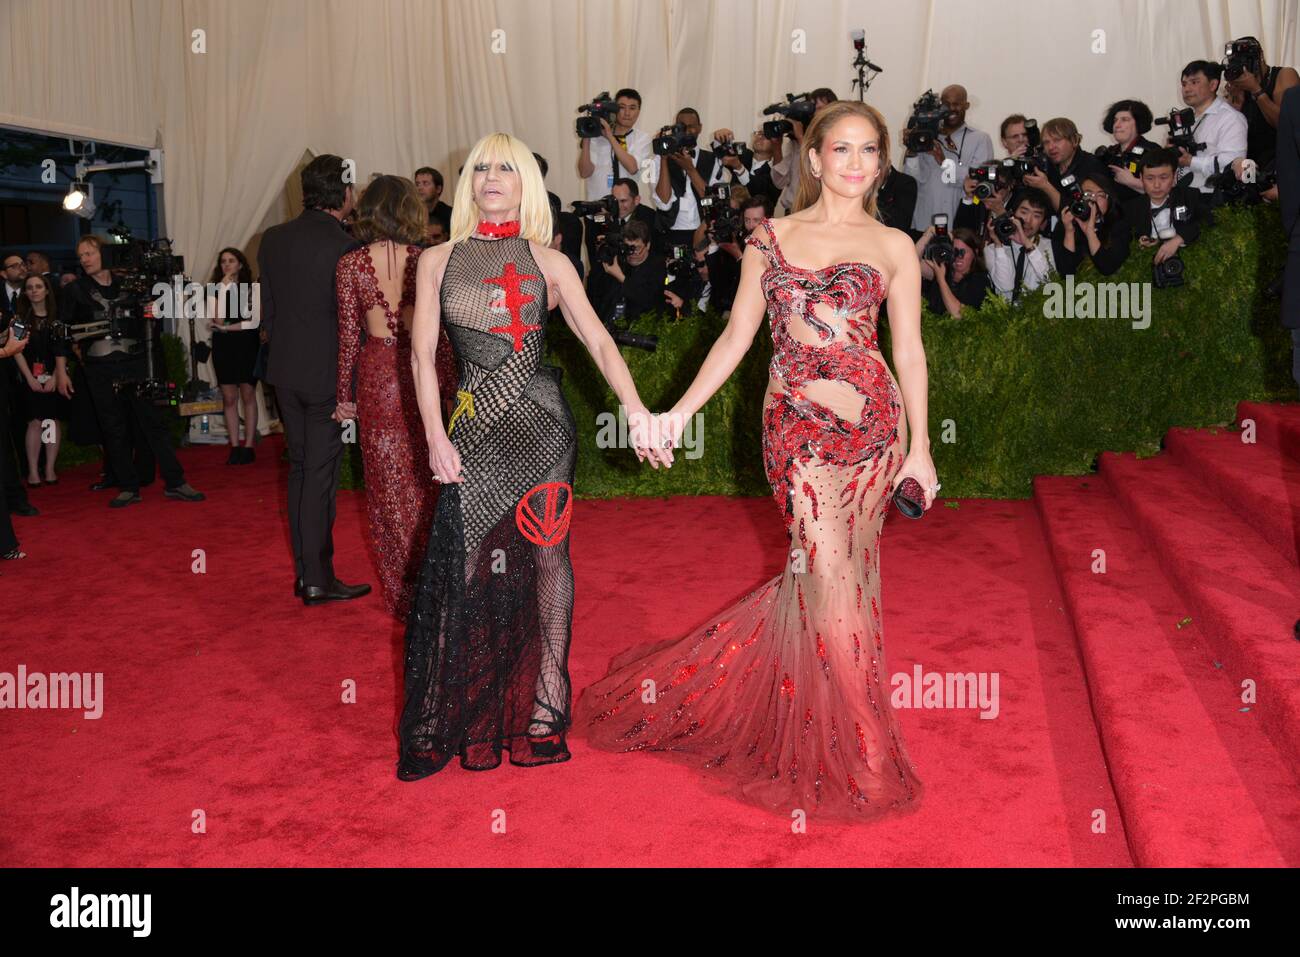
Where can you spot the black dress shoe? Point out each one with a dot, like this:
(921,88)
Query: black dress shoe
(233,458)
(337,591)
(297,588)
(124,499)
(27,509)
(185,492)
(248,455)
(102,486)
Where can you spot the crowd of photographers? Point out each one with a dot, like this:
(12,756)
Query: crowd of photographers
(980,223)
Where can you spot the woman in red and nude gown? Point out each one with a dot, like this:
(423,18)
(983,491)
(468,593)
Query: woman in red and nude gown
(376,293)
(785,696)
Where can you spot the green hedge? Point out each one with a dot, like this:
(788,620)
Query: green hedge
(1027,395)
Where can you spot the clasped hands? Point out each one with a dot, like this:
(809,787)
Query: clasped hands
(654,436)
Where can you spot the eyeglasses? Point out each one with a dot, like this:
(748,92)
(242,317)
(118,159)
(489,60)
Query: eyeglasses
(960,253)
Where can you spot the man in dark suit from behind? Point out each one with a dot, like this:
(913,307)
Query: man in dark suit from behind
(1288,194)
(297,260)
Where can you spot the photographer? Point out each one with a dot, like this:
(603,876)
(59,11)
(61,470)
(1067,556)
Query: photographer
(111,363)
(638,276)
(1167,215)
(965,146)
(956,280)
(629,208)
(1128,122)
(685,175)
(1255,89)
(785,165)
(717,260)
(619,150)
(1061,146)
(1219,128)
(1014,133)
(1023,260)
(975,209)
(749,167)
(1103,235)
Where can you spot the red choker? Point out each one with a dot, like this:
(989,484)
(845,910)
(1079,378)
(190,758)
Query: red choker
(497,230)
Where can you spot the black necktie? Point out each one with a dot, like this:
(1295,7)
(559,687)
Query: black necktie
(1020,273)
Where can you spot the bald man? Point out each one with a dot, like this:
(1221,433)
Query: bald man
(960,146)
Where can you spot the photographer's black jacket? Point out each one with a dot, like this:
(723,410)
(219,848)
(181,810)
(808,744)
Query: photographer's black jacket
(641,291)
(970,291)
(1116,237)
(896,201)
(1083,166)
(1139,213)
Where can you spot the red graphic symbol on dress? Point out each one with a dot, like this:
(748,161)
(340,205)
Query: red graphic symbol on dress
(514,300)
(552,525)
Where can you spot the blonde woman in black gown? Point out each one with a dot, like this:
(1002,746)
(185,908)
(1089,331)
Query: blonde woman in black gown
(487,639)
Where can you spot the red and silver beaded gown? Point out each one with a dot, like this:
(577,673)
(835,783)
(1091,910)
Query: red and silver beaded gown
(785,696)
(400,490)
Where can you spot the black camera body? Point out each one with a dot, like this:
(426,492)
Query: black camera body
(1230,191)
(988,178)
(602,107)
(1181,124)
(723,221)
(1113,155)
(673,139)
(1242,56)
(602,214)
(1004,227)
(730,148)
(1072,197)
(928,114)
(940,248)
(1167,273)
(800,108)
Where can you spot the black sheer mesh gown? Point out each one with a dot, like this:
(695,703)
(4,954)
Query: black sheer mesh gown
(487,639)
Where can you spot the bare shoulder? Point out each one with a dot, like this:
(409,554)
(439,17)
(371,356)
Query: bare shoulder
(896,244)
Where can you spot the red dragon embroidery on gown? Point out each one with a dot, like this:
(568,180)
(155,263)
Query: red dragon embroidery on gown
(400,491)
(784,698)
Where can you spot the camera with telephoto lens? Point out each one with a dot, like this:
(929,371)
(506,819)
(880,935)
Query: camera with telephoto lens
(940,248)
(603,107)
(673,139)
(1113,155)
(723,221)
(1242,56)
(800,108)
(1228,190)
(1072,197)
(619,328)
(1182,124)
(928,114)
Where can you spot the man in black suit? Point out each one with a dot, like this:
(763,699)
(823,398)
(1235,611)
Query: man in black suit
(297,260)
(1165,215)
(13,496)
(1288,195)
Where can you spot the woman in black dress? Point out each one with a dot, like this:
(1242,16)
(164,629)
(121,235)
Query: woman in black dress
(487,640)
(234,315)
(41,403)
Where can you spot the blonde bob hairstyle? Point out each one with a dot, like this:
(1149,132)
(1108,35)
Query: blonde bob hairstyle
(534,204)
(810,187)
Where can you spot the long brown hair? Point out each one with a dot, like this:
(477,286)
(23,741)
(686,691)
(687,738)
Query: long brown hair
(810,187)
(23,308)
(390,208)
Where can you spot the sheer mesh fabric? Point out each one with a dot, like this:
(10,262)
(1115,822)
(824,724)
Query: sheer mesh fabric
(784,699)
(487,640)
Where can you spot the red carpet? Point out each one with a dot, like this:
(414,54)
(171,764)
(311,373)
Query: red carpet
(1121,737)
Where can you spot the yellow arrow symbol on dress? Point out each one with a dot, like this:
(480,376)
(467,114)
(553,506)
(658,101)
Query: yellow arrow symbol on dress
(465,404)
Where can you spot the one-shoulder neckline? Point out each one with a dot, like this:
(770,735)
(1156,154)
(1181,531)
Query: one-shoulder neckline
(776,247)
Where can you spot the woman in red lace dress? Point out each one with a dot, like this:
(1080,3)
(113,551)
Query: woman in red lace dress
(376,295)
(785,697)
